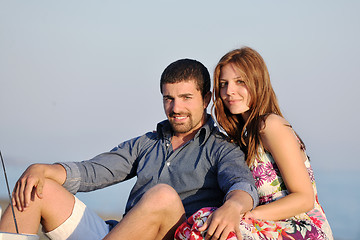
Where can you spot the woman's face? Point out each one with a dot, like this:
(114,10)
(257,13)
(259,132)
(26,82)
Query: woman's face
(233,91)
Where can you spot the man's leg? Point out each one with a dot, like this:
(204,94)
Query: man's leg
(51,211)
(155,216)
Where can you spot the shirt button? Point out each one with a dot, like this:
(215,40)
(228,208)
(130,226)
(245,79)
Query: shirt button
(168,164)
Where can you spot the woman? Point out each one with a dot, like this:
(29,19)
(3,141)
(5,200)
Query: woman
(246,108)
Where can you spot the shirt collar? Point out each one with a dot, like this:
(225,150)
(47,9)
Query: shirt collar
(164,130)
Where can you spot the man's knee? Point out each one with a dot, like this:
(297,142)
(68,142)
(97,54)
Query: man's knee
(54,193)
(161,197)
(52,188)
(57,205)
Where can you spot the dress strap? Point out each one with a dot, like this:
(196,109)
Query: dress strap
(301,143)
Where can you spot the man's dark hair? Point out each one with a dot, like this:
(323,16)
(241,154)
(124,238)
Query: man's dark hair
(186,70)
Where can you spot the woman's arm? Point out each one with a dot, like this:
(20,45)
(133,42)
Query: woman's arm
(279,139)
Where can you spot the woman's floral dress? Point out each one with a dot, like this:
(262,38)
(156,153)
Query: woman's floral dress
(270,185)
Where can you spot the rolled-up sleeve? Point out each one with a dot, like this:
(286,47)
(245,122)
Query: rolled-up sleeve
(103,170)
(234,174)
(72,182)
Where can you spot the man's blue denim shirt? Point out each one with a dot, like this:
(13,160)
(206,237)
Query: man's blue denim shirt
(202,171)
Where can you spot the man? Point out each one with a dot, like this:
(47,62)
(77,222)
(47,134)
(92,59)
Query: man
(183,166)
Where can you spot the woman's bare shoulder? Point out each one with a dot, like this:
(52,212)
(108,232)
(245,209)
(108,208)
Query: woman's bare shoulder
(273,122)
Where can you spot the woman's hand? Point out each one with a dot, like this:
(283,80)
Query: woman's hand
(249,215)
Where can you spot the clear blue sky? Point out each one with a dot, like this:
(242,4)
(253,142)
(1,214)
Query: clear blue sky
(79,77)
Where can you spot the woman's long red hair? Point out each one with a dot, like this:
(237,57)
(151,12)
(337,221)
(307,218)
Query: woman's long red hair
(254,73)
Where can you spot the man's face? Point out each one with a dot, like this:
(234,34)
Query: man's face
(184,106)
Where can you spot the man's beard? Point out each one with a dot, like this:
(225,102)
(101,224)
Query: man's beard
(181,127)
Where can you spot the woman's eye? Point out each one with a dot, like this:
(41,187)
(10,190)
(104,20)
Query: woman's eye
(240,82)
(222,84)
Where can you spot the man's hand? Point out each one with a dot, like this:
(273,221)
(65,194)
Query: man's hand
(222,222)
(32,182)
(226,219)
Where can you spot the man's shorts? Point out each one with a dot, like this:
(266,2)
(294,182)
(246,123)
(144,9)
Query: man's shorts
(82,224)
